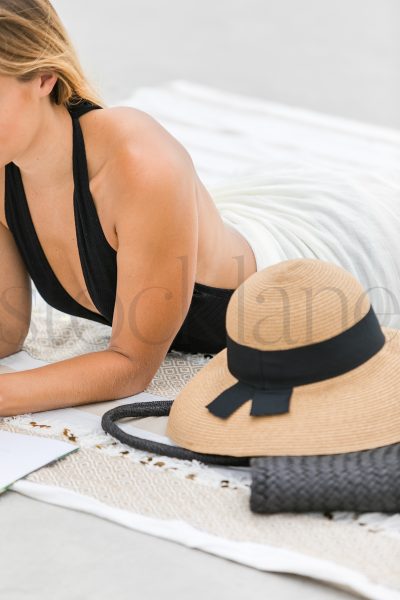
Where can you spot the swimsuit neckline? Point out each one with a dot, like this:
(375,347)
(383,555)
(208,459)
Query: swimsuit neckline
(81,186)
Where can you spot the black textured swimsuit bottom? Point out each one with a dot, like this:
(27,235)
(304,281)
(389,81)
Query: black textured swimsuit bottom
(203,329)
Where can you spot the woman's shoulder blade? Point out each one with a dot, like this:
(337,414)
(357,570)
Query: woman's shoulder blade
(127,138)
(131,127)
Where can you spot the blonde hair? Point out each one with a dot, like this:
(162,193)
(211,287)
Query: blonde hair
(34,40)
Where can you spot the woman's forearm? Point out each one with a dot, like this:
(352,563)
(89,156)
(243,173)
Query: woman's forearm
(92,377)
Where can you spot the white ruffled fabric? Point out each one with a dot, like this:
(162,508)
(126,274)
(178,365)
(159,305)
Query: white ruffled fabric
(344,216)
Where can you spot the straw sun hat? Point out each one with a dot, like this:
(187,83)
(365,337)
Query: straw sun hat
(307,370)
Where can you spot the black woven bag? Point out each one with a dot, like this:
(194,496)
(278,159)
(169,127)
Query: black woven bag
(363,481)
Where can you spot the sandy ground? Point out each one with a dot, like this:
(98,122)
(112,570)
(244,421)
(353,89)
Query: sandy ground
(340,57)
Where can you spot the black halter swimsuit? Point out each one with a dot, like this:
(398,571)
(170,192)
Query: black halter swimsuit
(203,329)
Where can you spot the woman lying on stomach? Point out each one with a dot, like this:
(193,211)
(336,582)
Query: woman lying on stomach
(103,210)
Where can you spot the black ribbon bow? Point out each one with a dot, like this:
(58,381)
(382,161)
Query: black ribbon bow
(265,402)
(267,377)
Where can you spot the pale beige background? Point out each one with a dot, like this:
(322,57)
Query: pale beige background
(335,56)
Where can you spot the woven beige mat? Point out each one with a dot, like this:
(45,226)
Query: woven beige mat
(222,511)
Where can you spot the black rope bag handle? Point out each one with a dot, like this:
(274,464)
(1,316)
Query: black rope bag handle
(159,408)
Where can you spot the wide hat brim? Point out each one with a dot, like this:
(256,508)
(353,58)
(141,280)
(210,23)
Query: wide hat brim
(357,410)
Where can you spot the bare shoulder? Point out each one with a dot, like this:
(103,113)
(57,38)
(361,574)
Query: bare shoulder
(117,129)
(134,147)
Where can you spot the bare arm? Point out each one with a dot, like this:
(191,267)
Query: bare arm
(15,291)
(156,225)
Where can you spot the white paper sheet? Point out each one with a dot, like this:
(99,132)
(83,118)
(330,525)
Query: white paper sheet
(21,454)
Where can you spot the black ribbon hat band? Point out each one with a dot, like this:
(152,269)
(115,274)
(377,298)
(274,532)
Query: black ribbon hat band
(267,377)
